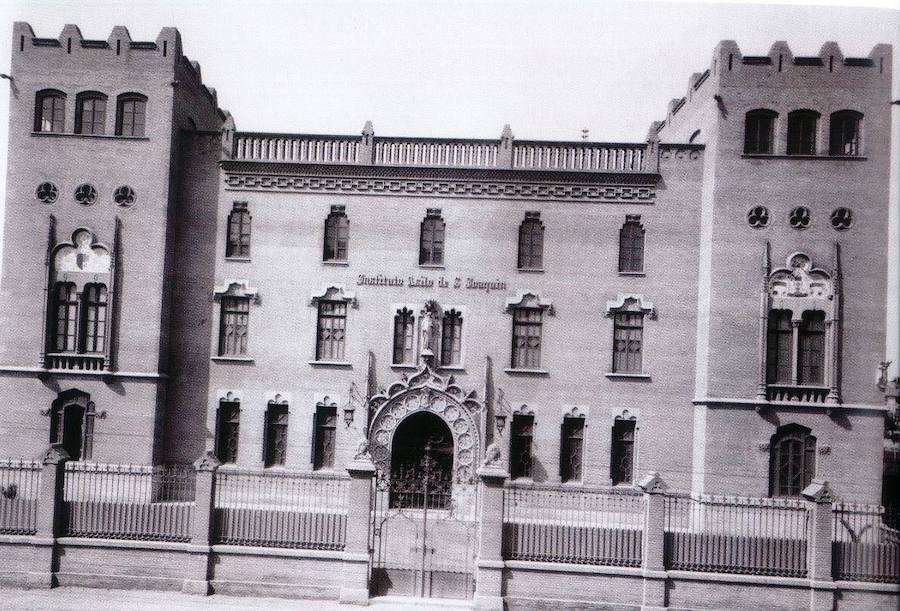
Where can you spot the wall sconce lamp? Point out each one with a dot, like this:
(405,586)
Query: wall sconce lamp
(500,419)
(348,414)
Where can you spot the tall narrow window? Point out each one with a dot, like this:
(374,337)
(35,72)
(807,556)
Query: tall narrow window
(65,328)
(324,442)
(238,244)
(526,341)
(793,460)
(451,338)
(779,348)
(50,111)
(631,245)
(228,422)
(571,448)
(276,434)
(93,318)
(90,113)
(67,429)
(811,349)
(234,326)
(520,457)
(331,327)
(802,127)
(622,452)
(131,111)
(531,242)
(759,132)
(431,240)
(337,235)
(404,332)
(628,339)
(845,133)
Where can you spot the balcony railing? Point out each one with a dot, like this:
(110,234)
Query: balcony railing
(296,149)
(804,394)
(77,362)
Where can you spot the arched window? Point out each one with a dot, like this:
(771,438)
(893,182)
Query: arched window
(50,111)
(631,245)
(802,128)
(792,460)
(451,338)
(531,242)
(337,235)
(131,113)
(404,332)
(238,244)
(811,349)
(571,446)
(759,131)
(228,422)
(65,321)
(93,318)
(90,113)
(779,348)
(431,238)
(845,133)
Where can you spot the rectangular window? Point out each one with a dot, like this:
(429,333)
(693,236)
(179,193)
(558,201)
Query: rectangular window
(227,431)
(325,426)
(845,127)
(52,113)
(431,240)
(331,328)
(526,348)
(90,117)
(622,453)
(531,242)
(759,132)
(631,245)
(93,318)
(571,448)
(66,318)
(451,338)
(337,235)
(131,117)
(276,435)
(628,338)
(520,459)
(238,244)
(404,332)
(779,348)
(811,349)
(234,326)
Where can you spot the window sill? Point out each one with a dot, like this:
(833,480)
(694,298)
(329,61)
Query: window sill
(315,363)
(89,136)
(526,372)
(809,157)
(614,375)
(451,367)
(634,274)
(232,359)
(403,366)
(530,270)
(337,263)
(238,259)
(432,266)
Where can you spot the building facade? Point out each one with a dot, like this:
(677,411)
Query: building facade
(708,304)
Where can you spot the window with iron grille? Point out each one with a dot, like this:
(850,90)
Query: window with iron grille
(845,133)
(238,244)
(811,349)
(531,242)
(234,326)
(131,111)
(520,457)
(404,333)
(622,452)
(802,126)
(65,321)
(759,132)
(276,435)
(793,460)
(571,449)
(451,338)
(228,422)
(337,235)
(526,340)
(631,245)
(50,111)
(90,113)
(628,338)
(93,318)
(431,239)
(324,442)
(331,328)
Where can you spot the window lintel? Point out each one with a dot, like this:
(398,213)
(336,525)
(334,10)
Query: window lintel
(334,292)
(232,287)
(575,411)
(529,299)
(630,302)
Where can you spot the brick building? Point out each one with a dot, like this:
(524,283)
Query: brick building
(708,304)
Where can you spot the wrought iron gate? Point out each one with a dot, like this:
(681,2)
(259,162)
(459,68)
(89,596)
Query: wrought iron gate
(423,535)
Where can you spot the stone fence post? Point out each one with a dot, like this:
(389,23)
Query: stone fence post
(201,525)
(653,541)
(819,499)
(49,517)
(489,576)
(355,570)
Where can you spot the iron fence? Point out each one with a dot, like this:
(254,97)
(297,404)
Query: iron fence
(866,543)
(736,535)
(148,503)
(276,508)
(573,525)
(20,484)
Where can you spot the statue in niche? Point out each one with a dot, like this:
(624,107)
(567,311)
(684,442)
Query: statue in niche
(428,331)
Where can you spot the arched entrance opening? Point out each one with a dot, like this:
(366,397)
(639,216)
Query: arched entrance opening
(422,462)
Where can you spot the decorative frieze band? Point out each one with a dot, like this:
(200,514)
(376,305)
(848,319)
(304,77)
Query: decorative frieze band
(442,188)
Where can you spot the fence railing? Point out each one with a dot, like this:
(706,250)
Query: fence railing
(280,509)
(736,535)
(20,484)
(128,501)
(866,543)
(583,526)
(579,156)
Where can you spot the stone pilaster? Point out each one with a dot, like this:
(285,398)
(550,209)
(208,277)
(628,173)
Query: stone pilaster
(653,541)
(49,518)
(819,499)
(355,568)
(201,527)
(489,567)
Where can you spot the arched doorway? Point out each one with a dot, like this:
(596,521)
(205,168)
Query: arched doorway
(422,462)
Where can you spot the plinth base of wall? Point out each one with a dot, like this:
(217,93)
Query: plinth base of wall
(199,587)
(488,603)
(354,596)
(40,580)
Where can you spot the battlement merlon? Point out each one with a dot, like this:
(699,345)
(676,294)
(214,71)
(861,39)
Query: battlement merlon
(729,68)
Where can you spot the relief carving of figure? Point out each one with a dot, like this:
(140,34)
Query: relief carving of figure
(492,456)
